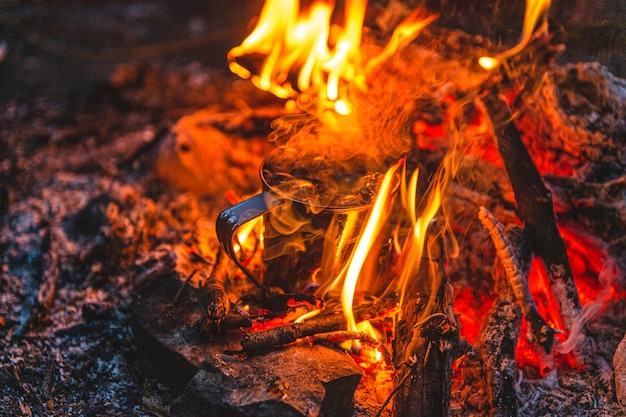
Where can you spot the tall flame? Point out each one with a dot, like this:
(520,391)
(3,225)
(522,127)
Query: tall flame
(535,9)
(303,52)
(375,221)
(413,248)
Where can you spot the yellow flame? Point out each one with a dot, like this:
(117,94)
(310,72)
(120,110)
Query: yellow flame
(406,31)
(309,315)
(535,9)
(243,234)
(414,246)
(291,41)
(325,57)
(375,221)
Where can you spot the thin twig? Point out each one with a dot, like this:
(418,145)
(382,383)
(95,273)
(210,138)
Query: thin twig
(394,391)
(182,287)
(282,335)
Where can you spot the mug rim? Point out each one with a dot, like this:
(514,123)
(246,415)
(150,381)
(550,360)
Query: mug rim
(281,194)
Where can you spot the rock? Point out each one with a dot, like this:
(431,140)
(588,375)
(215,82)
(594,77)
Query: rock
(619,365)
(169,349)
(198,157)
(292,382)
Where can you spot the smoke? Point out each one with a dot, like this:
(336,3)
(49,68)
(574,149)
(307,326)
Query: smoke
(324,148)
(610,271)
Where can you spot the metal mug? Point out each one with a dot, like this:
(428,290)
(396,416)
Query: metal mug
(309,226)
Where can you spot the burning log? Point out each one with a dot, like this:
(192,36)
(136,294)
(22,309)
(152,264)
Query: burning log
(516,265)
(496,344)
(535,209)
(425,347)
(282,335)
(498,336)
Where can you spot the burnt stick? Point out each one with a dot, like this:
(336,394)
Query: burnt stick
(536,210)
(214,302)
(428,344)
(516,275)
(282,335)
(496,345)
(345,335)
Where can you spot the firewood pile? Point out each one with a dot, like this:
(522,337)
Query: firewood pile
(116,297)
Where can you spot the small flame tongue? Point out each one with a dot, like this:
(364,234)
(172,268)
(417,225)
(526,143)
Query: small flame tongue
(535,9)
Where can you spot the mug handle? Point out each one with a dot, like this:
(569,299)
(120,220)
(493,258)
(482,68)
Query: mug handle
(233,217)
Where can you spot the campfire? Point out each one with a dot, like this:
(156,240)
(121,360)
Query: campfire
(354,240)
(423,221)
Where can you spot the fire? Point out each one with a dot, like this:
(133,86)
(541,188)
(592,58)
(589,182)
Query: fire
(304,54)
(414,245)
(292,41)
(535,10)
(376,219)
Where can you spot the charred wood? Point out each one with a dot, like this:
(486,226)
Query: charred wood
(336,338)
(47,289)
(282,335)
(516,265)
(276,301)
(425,349)
(496,344)
(214,301)
(30,261)
(536,210)
(498,337)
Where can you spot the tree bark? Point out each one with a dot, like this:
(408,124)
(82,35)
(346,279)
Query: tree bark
(425,343)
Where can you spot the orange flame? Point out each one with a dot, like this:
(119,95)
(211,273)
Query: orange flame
(535,9)
(375,221)
(414,245)
(326,57)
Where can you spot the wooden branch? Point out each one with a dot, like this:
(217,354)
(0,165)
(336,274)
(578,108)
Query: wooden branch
(428,346)
(535,209)
(276,301)
(341,336)
(214,301)
(515,275)
(282,335)
(496,343)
